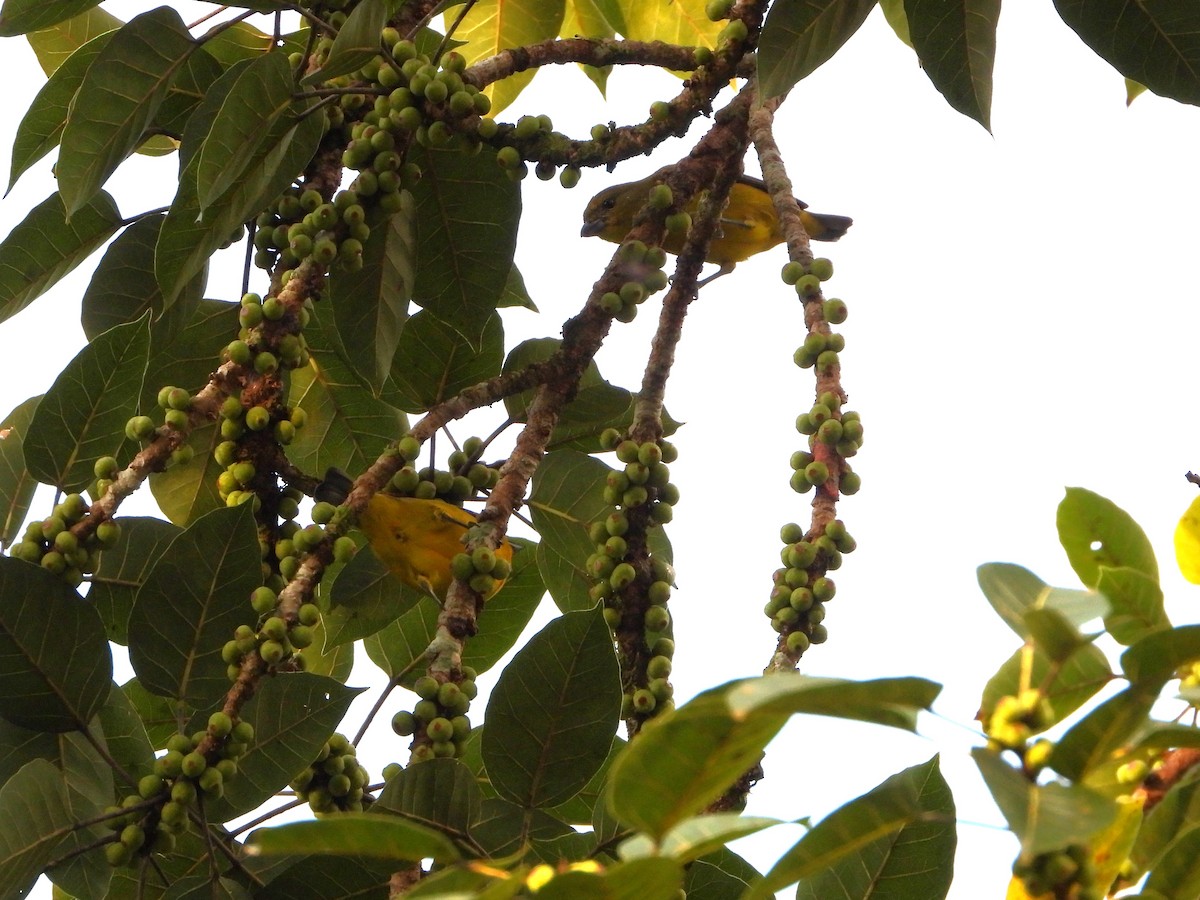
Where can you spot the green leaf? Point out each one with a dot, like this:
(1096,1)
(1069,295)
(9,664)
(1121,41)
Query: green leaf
(915,861)
(125,735)
(184,95)
(293,715)
(356,834)
(1067,686)
(124,87)
(641,879)
(332,662)
(508,829)
(16,484)
(697,837)
(1176,875)
(189,236)
(323,877)
(494,25)
(82,417)
(1167,823)
(123,287)
(365,598)
(1133,90)
(719,876)
(243,41)
(191,602)
(42,125)
(356,44)
(55,665)
(884,701)
(370,306)
(466,230)
(1152,42)
(44,247)
(956,43)
(123,568)
(33,806)
(21,745)
(552,716)
(1109,726)
(1096,532)
(1152,661)
(259,97)
(1043,817)
(439,793)
(893,11)
(433,362)
(1052,633)
(909,815)
(346,427)
(395,647)
(1136,603)
(1013,591)
(22,16)
(55,44)
(184,493)
(685,759)
(595,19)
(800,35)
(89,780)
(515,293)
(158,714)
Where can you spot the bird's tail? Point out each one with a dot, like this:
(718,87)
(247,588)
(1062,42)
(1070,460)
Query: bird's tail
(824,226)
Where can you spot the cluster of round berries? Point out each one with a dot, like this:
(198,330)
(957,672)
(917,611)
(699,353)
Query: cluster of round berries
(462,479)
(645,265)
(150,820)
(51,544)
(800,587)
(335,781)
(275,640)
(176,404)
(1069,872)
(439,719)
(303,225)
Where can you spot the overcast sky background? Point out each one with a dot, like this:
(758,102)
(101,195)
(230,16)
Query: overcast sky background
(1023,317)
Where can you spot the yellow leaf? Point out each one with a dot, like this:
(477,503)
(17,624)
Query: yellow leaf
(1187,543)
(674,21)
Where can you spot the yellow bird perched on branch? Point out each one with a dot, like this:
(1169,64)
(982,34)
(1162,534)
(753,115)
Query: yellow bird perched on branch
(747,226)
(418,540)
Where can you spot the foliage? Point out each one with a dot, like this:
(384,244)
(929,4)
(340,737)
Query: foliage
(241,609)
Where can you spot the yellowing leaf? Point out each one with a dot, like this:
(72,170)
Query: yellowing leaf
(676,22)
(495,25)
(1187,543)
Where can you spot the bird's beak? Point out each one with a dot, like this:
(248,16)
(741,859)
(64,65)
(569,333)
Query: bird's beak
(591,228)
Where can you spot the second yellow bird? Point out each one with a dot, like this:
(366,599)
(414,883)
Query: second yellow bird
(748,225)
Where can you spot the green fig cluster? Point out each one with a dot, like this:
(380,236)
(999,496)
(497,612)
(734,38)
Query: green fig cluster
(644,266)
(833,433)
(800,588)
(464,477)
(52,544)
(335,781)
(1067,872)
(438,721)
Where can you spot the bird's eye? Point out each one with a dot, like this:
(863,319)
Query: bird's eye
(609,203)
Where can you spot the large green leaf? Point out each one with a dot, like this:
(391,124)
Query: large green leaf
(696,837)
(356,43)
(55,665)
(895,840)
(123,568)
(433,362)
(370,305)
(189,236)
(395,648)
(54,45)
(346,425)
(16,484)
(42,125)
(956,42)
(1067,685)
(124,87)
(1136,603)
(466,217)
(799,36)
(186,492)
(44,247)
(440,793)
(365,598)
(1096,532)
(357,834)
(884,701)
(89,779)
(190,603)
(494,25)
(123,287)
(685,759)
(293,716)
(318,877)
(1044,817)
(1013,591)
(185,94)
(1152,661)
(82,417)
(33,806)
(722,875)
(257,99)
(552,716)
(125,734)
(1109,726)
(22,16)
(1153,42)
(506,829)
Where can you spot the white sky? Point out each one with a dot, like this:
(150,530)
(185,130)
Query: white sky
(1022,318)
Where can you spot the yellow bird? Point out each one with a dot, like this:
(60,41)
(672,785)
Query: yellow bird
(416,539)
(747,226)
